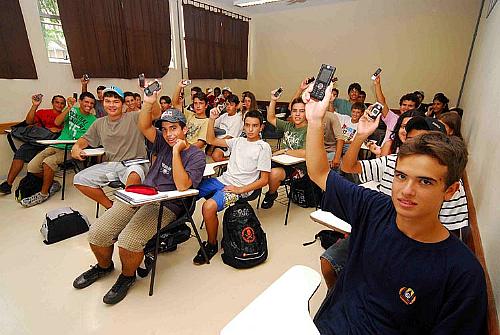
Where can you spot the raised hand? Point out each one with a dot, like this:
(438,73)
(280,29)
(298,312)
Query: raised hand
(366,125)
(180,145)
(214,113)
(70,102)
(36,100)
(315,110)
(151,98)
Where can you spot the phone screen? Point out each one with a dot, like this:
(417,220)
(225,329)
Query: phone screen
(325,75)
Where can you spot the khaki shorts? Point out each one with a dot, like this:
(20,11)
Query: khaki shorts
(50,156)
(131,227)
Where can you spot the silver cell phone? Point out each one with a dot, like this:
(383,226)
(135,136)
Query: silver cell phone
(375,75)
(187,82)
(278,92)
(153,87)
(376,110)
(86,77)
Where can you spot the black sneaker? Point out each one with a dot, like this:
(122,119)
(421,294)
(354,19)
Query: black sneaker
(90,276)
(119,290)
(210,249)
(268,201)
(5,188)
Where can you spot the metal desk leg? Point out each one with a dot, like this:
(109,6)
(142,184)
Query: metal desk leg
(190,218)
(64,170)
(157,247)
(289,196)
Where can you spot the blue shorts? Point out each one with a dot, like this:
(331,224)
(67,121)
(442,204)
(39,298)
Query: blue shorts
(211,188)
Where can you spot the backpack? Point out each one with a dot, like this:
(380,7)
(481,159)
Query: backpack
(304,192)
(244,242)
(31,134)
(169,239)
(327,238)
(63,223)
(28,186)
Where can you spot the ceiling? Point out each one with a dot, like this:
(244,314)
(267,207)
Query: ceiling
(270,7)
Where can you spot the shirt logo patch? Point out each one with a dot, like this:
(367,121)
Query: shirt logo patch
(407,295)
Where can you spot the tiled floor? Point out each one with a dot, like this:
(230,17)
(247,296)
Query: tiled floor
(36,295)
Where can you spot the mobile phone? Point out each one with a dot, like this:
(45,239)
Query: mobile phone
(376,110)
(323,79)
(86,77)
(142,80)
(310,80)
(75,96)
(221,107)
(278,92)
(375,75)
(38,97)
(187,82)
(153,87)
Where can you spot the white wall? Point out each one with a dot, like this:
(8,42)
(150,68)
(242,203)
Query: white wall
(481,103)
(418,44)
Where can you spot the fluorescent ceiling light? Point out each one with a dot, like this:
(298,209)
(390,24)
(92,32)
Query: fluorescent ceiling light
(246,3)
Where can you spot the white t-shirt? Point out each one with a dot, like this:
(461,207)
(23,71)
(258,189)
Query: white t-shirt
(231,124)
(348,128)
(246,161)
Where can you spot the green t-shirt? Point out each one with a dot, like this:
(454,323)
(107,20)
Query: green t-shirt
(75,125)
(293,138)
(342,106)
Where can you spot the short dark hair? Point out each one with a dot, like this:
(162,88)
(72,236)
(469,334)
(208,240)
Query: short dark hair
(353,86)
(57,96)
(396,141)
(196,89)
(362,93)
(297,101)
(233,98)
(358,105)
(128,94)
(453,120)
(217,89)
(449,151)
(137,95)
(201,96)
(167,99)
(111,94)
(410,97)
(336,90)
(459,110)
(256,114)
(100,88)
(87,95)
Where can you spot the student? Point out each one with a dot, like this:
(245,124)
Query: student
(130,103)
(193,92)
(226,92)
(138,101)
(197,120)
(334,139)
(165,103)
(26,152)
(248,170)
(361,97)
(343,106)
(121,140)
(179,166)
(294,140)
(232,124)
(99,109)
(439,106)
(452,122)
(406,273)
(248,103)
(76,121)
(398,134)
(349,123)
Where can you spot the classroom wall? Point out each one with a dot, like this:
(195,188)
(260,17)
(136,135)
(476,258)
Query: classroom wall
(480,128)
(418,44)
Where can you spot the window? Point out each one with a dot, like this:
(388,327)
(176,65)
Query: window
(52,31)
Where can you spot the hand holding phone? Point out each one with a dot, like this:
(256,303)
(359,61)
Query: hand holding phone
(186,82)
(75,96)
(37,97)
(376,74)
(277,92)
(142,80)
(375,110)
(86,77)
(324,79)
(155,86)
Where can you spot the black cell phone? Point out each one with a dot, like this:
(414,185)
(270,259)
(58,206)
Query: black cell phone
(376,110)
(38,97)
(86,77)
(324,78)
(75,95)
(278,92)
(142,80)
(375,75)
(153,87)
(310,80)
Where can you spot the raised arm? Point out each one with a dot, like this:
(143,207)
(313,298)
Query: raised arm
(30,117)
(302,86)
(211,138)
(176,98)
(271,111)
(70,102)
(380,96)
(316,160)
(85,84)
(145,122)
(366,127)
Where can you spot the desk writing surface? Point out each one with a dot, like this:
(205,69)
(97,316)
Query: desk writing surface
(141,199)
(285,159)
(93,152)
(210,168)
(49,142)
(331,221)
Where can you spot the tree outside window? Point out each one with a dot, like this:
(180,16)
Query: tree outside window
(52,31)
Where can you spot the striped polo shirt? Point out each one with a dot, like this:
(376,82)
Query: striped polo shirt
(453,214)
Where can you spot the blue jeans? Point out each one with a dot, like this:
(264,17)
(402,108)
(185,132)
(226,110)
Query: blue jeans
(211,188)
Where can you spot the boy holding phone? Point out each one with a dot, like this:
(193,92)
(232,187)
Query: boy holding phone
(383,288)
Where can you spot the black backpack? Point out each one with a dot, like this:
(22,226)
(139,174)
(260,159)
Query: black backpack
(244,242)
(28,186)
(169,239)
(304,192)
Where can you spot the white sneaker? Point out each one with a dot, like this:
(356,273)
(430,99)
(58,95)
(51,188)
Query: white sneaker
(33,200)
(54,188)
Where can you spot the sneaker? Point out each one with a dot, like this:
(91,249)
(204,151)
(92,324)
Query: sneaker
(268,201)
(5,188)
(54,188)
(90,276)
(119,290)
(210,249)
(33,200)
